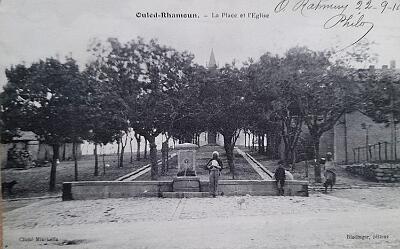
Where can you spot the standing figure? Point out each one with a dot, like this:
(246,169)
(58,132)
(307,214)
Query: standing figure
(214,166)
(280,177)
(329,172)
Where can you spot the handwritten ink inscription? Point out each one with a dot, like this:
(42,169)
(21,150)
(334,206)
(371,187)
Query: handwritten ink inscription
(353,15)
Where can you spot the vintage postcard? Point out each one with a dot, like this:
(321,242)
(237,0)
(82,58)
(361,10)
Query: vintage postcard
(200,123)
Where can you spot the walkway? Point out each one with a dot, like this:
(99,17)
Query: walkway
(258,167)
(318,221)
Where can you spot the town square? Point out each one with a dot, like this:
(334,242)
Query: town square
(200,124)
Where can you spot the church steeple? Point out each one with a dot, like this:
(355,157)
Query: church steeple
(212,63)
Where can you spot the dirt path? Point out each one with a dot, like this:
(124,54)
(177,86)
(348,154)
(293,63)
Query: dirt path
(320,221)
(278,232)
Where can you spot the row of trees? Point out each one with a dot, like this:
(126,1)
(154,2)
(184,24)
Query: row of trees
(152,89)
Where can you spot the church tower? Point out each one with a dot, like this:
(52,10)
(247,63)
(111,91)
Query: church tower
(212,63)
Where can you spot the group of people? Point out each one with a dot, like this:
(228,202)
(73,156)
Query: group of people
(214,165)
(328,176)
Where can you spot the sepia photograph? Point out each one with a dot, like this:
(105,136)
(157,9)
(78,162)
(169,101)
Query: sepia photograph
(194,124)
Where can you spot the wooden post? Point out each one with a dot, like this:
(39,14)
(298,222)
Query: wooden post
(379,148)
(345,137)
(370,149)
(307,168)
(386,154)
(253,142)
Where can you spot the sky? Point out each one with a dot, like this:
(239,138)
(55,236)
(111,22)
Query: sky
(35,29)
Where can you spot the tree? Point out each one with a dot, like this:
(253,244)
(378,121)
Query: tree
(37,98)
(325,93)
(145,76)
(276,99)
(188,116)
(225,103)
(76,113)
(380,93)
(104,108)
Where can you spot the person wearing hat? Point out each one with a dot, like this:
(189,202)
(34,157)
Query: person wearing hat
(214,167)
(329,163)
(329,176)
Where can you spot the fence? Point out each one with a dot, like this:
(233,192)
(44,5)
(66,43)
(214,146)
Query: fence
(379,152)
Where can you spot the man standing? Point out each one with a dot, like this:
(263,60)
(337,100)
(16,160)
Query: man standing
(214,166)
(280,179)
(329,176)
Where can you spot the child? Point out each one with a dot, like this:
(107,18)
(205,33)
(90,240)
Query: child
(214,166)
(280,177)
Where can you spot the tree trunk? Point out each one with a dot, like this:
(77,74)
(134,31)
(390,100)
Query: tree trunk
(118,143)
(164,157)
(253,142)
(145,149)
(268,148)
(63,157)
(346,159)
(46,153)
(123,145)
(228,146)
(130,145)
(262,143)
(315,141)
(138,140)
(75,160)
(56,150)
(96,160)
(286,155)
(153,158)
(104,163)
(293,160)
(317,169)
(168,154)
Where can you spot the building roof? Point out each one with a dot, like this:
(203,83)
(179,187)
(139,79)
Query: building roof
(25,136)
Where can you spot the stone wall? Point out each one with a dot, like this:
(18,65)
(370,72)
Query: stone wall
(113,189)
(258,187)
(377,172)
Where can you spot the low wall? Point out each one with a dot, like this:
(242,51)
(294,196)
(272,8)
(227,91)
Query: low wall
(257,187)
(377,172)
(114,189)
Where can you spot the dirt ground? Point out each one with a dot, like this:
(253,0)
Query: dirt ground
(353,218)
